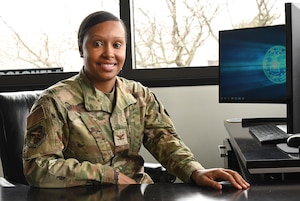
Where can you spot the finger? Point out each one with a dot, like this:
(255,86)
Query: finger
(222,174)
(207,181)
(240,180)
(236,179)
(206,178)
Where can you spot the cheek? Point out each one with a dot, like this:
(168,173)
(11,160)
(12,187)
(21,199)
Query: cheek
(121,56)
(88,51)
(92,55)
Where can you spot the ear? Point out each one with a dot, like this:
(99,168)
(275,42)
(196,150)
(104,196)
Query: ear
(80,51)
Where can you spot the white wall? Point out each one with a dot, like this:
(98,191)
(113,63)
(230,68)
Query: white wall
(198,118)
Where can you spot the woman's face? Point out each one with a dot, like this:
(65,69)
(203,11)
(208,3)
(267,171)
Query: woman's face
(104,52)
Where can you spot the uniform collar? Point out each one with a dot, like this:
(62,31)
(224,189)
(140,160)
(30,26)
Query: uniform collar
(98,101)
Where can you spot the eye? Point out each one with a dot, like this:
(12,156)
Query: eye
(117,45)
(98,43)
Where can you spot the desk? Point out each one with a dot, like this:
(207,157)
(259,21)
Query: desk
(159,191)
(260,159)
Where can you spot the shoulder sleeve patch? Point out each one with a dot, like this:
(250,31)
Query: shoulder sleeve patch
(36,137)
(36,117)
(35,131)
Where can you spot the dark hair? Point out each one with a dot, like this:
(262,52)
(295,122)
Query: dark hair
(96,18)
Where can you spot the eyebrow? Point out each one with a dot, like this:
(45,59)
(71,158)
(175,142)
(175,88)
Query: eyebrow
(116,37)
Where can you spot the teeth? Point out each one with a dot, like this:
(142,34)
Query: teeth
(107,65)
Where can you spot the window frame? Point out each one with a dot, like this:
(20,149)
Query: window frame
(29,82)
(162,77)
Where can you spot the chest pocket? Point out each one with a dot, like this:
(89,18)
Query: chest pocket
(103,142)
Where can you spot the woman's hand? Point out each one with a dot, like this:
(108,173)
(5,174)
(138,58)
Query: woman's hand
(210,177)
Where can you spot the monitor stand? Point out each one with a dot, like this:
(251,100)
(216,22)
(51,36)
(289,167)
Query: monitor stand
(246,122)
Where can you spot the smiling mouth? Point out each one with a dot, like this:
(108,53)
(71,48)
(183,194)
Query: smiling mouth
(107,67)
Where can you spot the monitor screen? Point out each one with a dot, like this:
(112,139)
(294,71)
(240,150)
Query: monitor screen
(252,65)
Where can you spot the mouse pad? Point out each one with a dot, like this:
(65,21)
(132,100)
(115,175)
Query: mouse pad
(285,148)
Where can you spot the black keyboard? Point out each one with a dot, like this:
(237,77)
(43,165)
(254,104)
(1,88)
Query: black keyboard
(268,133)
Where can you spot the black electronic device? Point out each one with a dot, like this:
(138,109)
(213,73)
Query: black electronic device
(268,134)
(239,86)
(292,12)
(294,141)
(252,65)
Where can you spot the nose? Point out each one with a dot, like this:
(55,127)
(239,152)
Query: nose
(108,52)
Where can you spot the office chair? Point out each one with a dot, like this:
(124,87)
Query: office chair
(14,108)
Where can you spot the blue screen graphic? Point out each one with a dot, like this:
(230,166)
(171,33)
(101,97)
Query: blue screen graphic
(252,64)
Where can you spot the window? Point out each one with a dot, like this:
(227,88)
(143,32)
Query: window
(43,34)
(173,43)
(40,35)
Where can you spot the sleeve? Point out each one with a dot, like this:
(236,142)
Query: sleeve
(162,141)
(43,159)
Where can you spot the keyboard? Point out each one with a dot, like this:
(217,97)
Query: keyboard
(268,134)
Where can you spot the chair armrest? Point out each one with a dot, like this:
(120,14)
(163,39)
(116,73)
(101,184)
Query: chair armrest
(158,173)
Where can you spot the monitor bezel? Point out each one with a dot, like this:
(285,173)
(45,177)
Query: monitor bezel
(292,11)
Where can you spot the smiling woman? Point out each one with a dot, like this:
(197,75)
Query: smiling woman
(103,53)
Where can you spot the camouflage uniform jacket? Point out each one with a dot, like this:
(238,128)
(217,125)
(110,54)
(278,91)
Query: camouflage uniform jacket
(77,136)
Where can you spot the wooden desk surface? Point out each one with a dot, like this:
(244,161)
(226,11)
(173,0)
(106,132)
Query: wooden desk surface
(159,191)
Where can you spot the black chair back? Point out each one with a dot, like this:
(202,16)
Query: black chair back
(14,108)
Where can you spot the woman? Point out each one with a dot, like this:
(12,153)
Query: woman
(89,129)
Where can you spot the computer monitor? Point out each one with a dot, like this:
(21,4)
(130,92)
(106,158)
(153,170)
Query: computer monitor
(292,11)
(252,65)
